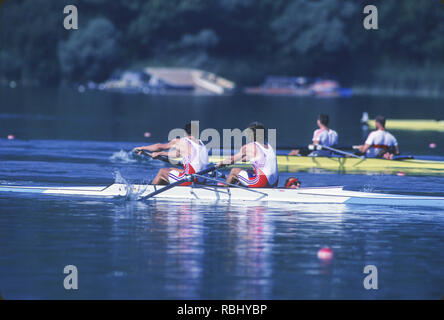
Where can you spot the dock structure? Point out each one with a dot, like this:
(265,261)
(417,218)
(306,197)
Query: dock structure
(201,82)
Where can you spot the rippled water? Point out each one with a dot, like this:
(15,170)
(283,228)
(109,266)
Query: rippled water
(195,250)
(186,250)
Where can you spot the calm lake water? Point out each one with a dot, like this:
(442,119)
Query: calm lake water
(191,250)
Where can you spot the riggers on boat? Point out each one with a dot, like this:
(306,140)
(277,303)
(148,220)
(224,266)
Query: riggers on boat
(355,165)
(217,193)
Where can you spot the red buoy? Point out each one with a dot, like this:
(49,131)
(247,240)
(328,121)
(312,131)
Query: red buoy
(325,254)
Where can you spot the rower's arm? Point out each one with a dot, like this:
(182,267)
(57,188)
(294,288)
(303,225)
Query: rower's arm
(363,148)
(173,153)
(180,149)
(240,156)
(397,150)
(157,146)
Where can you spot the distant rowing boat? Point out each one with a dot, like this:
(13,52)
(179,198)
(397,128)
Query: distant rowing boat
(355,165)
(215,193)
(412,125)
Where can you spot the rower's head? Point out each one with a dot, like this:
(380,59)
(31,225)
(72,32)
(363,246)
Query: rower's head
(258,131)
(323,120)
(192,129)
(187,128)
(292,183)
(380,122)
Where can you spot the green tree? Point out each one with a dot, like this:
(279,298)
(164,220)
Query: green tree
(30,31)
(314,26)
(90,53)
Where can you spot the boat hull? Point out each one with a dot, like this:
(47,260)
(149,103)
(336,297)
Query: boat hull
(214,193)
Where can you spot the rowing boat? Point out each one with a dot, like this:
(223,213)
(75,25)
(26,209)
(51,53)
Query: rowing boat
(411,125)
(355,165)
(315,195)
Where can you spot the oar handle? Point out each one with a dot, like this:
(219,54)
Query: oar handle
(161,158)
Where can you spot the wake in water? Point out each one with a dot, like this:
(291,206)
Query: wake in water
(123,157)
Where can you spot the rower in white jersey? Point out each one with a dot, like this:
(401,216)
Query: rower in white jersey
(193,152)
(323,136)
(261,156)
(380,143)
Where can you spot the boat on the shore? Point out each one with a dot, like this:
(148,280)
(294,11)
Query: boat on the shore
(325,195)
(212,83)
(354,165)
(153,80)
(299,86)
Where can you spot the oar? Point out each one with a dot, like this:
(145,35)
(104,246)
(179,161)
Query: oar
(362,157)
(161,158)
(187,178)
(340,151)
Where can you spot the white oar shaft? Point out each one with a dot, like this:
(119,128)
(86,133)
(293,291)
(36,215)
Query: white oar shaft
(341,152)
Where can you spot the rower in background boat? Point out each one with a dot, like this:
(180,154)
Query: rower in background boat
(380,143)
(260,155)
(323,136)
(192,150)
(292,183)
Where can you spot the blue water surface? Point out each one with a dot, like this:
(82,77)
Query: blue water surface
(192,250)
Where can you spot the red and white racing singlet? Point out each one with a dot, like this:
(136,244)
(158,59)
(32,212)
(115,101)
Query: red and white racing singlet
(196,161)
(265,169)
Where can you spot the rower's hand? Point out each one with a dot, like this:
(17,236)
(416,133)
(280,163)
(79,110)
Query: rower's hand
(224,162)
(155,154)
(220,163)
(137,151)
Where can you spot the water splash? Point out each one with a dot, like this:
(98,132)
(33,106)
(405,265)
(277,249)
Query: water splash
(118,178)
(133,192)
(136,193)
(122,157)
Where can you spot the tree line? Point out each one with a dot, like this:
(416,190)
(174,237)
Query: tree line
(243,40)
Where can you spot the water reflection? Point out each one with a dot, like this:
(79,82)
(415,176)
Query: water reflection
(219,250)
(253,247)
(194,250)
